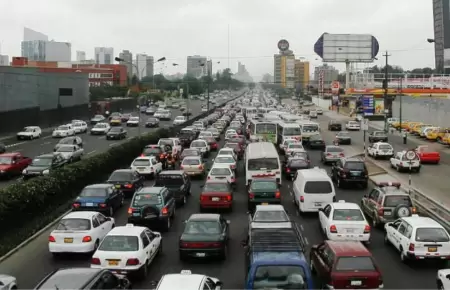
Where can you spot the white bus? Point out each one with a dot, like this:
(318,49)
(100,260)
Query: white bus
(309,129)
(261,160)
(288,131)
(263,130)
(286,117)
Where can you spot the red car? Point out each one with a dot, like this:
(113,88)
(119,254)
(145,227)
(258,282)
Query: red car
(12,164)
(345,265)
(238,139)
(237,148)
(212,142)
(216,194)
(427,155)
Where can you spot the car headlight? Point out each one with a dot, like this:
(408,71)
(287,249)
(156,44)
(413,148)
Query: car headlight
(46,171)
(24,171)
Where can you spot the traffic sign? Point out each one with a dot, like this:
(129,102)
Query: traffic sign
(365,124)
(410,155)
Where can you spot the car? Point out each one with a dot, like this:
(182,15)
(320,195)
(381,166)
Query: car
(216,194)
(44,164)
(154,150)
(177,182)
(190,152)
(222,172)
(212,143)
(353,126)
(332,154)
(226,160)
(186,136)
(175,106)
(128,250)
(79,232)
(351,266)
(187,280)
(215,132)
(80,127)
(418,238)
(116,133)
(204,236)
(186,112)
(343,138)
(150,111)
(115,120)
(273,213)
(334,125)
(97,119)
(193,166)
(295,163)
(74,140)
(147,166)
(263,190)
(152,122)
(102,197)
(163,114)
(152,207)
(427,155)
(401,163)
(126,180)
(378,136)
(344,221)
(126,117)
(319,111)
(71,153)
(443,279)
(174,143)
(204,134)
(285,144)
(350,170)
(230,134)
(83,278)
(316,141)
(313,114)
(12,164)
(133,122)
(100,129)
(202,146)
(294,147)
(63,131)
(380,150)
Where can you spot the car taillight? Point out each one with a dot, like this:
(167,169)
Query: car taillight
(277,194)
(181,167)
(95,261)
(342,155)
(76,205)
(142,155)
(132,262)
(51,239)
(367,229)
(203,198)
(328,154)
(414,210)
(233,180)
(103,205)
(228,197)
(164,211)
(87,239)
(130,211)
(333,229)
(381,211)
(200,166)
(251,195)
(288,170)
(233,166)
(302,199)
(411,247)
(128,185)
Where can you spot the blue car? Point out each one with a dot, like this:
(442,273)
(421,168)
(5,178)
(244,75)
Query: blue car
(104,198)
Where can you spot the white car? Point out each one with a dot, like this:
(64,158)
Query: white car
(71,152)
(146,165)
(127,250)
(222,172)
(401,163)
(353,125)
(344,221)
(100,129)
(215,132)
(313,114)
(271,213)
(29,132)
(225,160)
(8,282)
(172,142)
(284,145)
(79,232)
(205,134)
(179,120)
(227,152)
(80,127)
(187,280)
(380,150)
(202,146)
(294,147)
(319,111)
(63,131)
(443,279)
(204,109)
(133,122)
(163,114)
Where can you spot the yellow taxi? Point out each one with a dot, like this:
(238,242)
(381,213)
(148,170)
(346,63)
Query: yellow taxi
(437,134)
(419,127)
(115,121)
(396,125)
(425,130)
(446,139)
(411,125)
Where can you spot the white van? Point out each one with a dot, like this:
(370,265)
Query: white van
(313,189)
(261,159)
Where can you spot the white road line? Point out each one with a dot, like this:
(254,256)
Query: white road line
(290,192)
(46,143)
(301,227)
(306,241)
(93,151)
(102,137)
(46,137)
(113,144)
(15,144)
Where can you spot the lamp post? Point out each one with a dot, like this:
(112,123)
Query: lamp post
(188,102)
(137,71)
(439,65)
(209,79)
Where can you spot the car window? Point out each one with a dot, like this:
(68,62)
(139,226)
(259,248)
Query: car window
(191,161)
(354,165)
(220,171)
(347,215)
(141,199)
(396,200)
(74,224)
(145,240)
(318,187)
(270,216)
(431,235)
(264,185)
(93,192)
(203,227)
(355,264)
(120,176)
(141,162)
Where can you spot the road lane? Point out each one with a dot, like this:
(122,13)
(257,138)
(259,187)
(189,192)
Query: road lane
(232,271)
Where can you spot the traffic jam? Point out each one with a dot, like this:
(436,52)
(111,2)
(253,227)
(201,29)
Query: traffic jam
(273,167)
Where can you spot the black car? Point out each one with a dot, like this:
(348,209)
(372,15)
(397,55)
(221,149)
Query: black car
(186,137)
(263,191)
(350,171)
(44,164)
(127,180)
(294,164)
(204,236)
(116,133)
(152,123)
(83,279)
(344,138)
(104,198)
(154,150)
(378,136)
(2,148)
(72,140)
(125,117)
(178,183)
(152,207)
(334,125)
(316,142)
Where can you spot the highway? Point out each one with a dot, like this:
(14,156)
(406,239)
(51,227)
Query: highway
(35,256)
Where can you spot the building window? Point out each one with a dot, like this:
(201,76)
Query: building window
(108,59)
(109,76)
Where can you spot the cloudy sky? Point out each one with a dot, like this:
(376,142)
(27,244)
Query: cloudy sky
(227,31)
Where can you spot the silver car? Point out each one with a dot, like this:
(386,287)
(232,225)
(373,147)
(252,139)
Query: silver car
(71,153)
(193,166)
(332,154)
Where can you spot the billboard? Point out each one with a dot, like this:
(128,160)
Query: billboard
(335,86)
(347,47)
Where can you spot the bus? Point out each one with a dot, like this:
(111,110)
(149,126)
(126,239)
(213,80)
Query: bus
(263,130)
(309,129)
(288,131)
(262,160)
(249,112)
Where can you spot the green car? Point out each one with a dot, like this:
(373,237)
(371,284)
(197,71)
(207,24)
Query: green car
(263,191)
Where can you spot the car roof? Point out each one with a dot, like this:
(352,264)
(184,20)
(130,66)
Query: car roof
(217,181)
(150,189)
(270,207)
(80,215)
(69,278)
(99,185)
(258,179)
(421,221)
(348,248)
(193,157)
(144,157)
(181,281)
(204,217)
(220,165)
(50,155)
(342,204)
(127,230)
(10,154)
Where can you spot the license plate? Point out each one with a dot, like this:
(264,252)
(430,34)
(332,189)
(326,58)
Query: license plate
(68,240)
(136,214)
(356,283)
(433,249)
(113,262)
(140,168)
(215,199)
(350,231)
(317,204)
(265,203)
(355,173)
(200,254)
(387,213)
(118,185)
(89,204)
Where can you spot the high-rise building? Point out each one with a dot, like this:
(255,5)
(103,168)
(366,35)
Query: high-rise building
(134,68)
(127,57)
(104,55)
(141,63)
(330,74)
(32,35)
(149,66)
(441,15)
(195,66)
(301,74)
(81,56)
(284,69)
(242,74)
(41,50)
(4,60)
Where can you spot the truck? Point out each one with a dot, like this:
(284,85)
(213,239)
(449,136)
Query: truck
(275,257)
(12,164)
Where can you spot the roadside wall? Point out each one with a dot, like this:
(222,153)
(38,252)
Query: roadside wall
(434,111)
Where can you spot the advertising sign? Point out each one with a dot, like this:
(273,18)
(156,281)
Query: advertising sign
(335,86)
(368,105)
(379,107)
(283,45)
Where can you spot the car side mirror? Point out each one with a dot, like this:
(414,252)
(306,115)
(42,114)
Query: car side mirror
(365,195)
(218,284)
(154,283)
(108,219)
(321,209)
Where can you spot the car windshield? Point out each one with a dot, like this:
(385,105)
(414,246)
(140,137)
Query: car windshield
(119,244)
(5,160)
(385,147)
(295,146)
(67,141)
(42,162)
(280,277)
(224,159)
(63,128)
(115,130)
(198,144)
(216,187)
(355,264)
(98,117)
(169,180)
(220,171)
(270,216)
(264,185)
(355,166)
(100,126)
(28,129)
(396,200)
(343,134)
(152,120)
(141,162)
(93,192)
(163,142)
(190,152)
(66,149)
(347,215)
(431,235)
(142,199)
(334,149)
(206,134)
(310,128)
(298,162)
(203,228)
(121,176)
(318,187)
(152,151)
(263,164)
(381,134)
(191,161)
(134,119)
(179,118)
(74,224)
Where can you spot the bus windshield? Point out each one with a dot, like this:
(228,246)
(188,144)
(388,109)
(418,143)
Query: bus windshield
(292,131)
(266,128)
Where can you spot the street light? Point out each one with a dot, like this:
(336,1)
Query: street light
(209,80)
(431,40)
(188,101)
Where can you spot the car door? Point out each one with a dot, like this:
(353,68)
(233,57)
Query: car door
(324,216)
(400,236)
(392,232)
(101,225)
(113,197)
(146,246)
(154,243)
(372,202)
(169,201)
(225,228)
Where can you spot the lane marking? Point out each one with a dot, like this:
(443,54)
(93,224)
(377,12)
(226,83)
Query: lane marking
(290,192)
(46,137)
(301,227)
(93,151)
(15,144)
(306,240)
(46,143)
(113,144)
(102,137)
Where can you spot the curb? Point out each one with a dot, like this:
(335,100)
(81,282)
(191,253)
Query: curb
(32,238)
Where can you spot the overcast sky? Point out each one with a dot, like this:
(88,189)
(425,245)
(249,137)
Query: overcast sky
(226,31)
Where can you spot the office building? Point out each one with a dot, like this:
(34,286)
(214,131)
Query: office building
(32,35)
(284,69)
(104,55)
(4,60)
(41,50)
(301,74)
(242,74)
(195,66)
(149,66)
(142,62)
(127,57)
(441,16)
(329,73)
(81,56)
(134,68)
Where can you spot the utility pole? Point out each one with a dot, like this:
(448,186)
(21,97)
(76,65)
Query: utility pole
(400,87)
(387,104)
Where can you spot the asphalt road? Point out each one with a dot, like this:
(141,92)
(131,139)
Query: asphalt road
(35,256)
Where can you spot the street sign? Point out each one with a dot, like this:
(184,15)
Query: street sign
(410,155)
(365,124)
